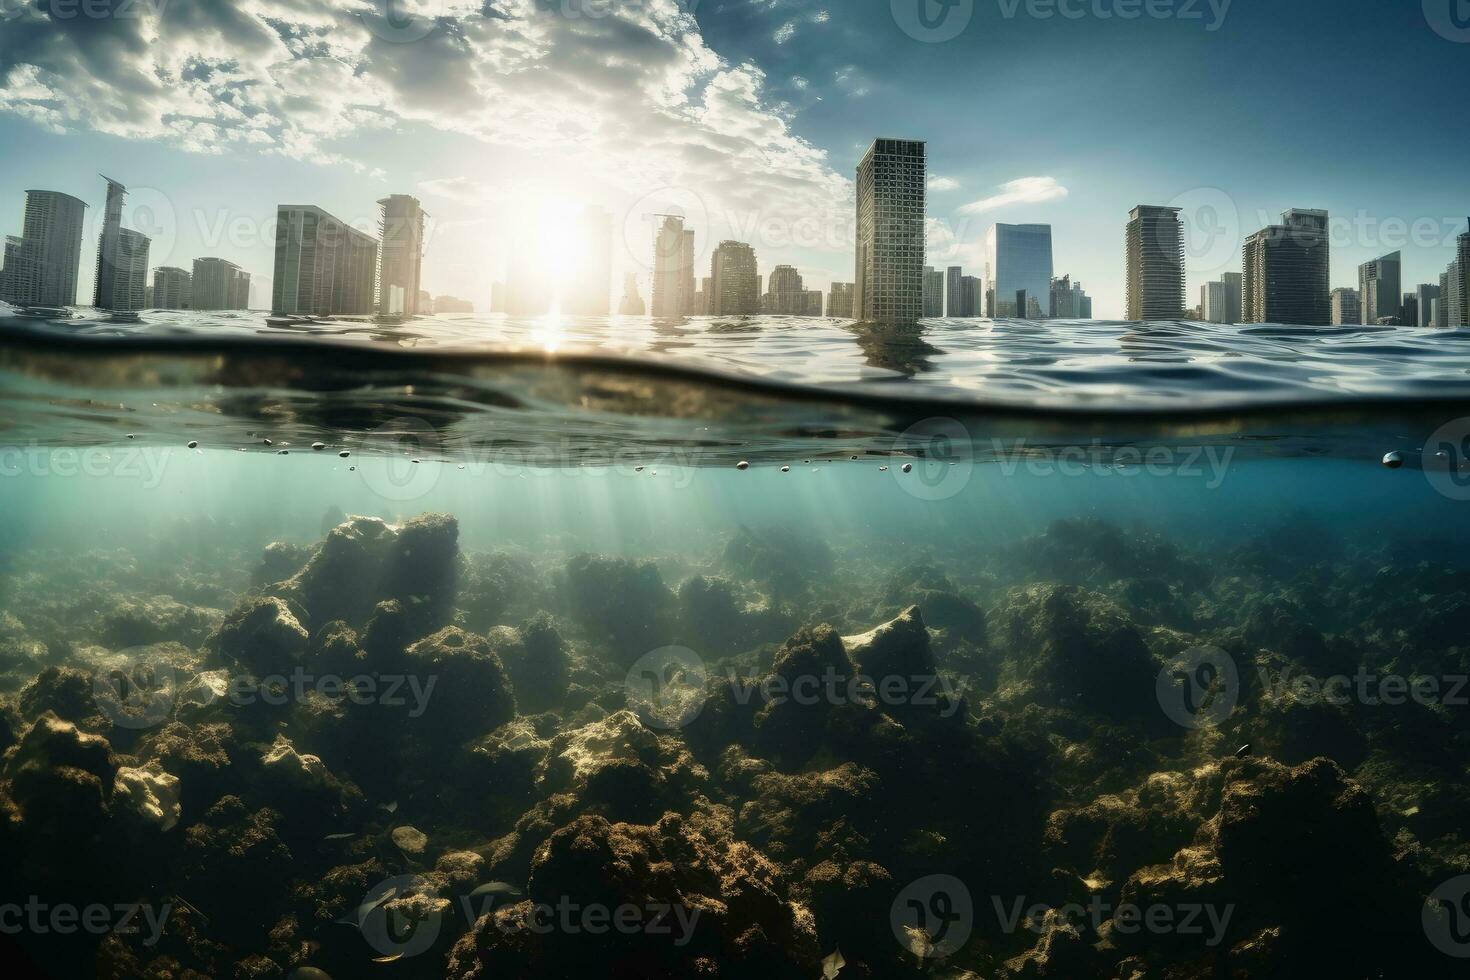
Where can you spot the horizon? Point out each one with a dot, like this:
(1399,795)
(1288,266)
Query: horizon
(748,117)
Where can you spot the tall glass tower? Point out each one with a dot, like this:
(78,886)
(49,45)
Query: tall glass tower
(1020,268)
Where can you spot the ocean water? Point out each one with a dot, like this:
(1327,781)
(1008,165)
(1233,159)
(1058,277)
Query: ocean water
(761,647)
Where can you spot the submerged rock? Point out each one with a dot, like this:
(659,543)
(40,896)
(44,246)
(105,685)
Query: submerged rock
(262,636)
(466,690)
(60,778)
(149,796)
(621,604)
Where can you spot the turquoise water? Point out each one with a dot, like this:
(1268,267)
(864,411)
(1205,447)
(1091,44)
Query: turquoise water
(1170,681)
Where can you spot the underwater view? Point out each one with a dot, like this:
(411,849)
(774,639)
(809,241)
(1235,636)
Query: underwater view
(742,647)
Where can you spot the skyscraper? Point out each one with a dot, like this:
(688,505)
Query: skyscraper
(787,292)
(956,300)
(1020,264)
(632,303)
(1068,301)
(673,268)
(1454,287)
(48,254)
(105,283)
(219,285)
(1154,282)
(734,280)
(972,289)
(1286,276)
(1345,307)
(1425,296)
(171,288)
(323,265)
(1378,288)
(888,287)
(401,255)
(839,300)
(129,269)
(1220,301)
(933,292)
(10,270)
(1409,310)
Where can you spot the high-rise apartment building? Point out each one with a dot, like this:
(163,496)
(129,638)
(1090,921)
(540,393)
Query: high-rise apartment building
(171,288)
(401,227)
(1020,263)
(734,280)
(42,268)
(1068,301)
(219,284)
(116,257)
(673,268)
(1345,307)
(1378,288)
(1286,276)
(839,300)
(933,292)
(323,265)
(1454,287)
(787,292)
(1424,298)
(129,272)
(956,301)
(1220,300)
(888,287)
(1154,283)
(631,303)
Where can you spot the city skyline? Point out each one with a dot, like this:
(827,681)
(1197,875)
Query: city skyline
(769,133)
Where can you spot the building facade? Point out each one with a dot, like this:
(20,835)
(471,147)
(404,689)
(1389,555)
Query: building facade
(1020,262)
(734,280)
(47,256)
(1287,274)
(219,284)
(933,292)
(888,285)
(171,289)
(1425,297)
(787,292)
(1379,289)
(323,266)
(1345,307)
(401,230)
(1154,280)
(673,268)
(105,280)
(839,300)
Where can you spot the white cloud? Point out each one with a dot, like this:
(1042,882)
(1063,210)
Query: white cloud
(1025,190)
(938,183)
(634,100)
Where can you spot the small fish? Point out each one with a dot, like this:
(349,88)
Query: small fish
(390,958)
(1243,751)
(495,888)
(832,964)
(339,836)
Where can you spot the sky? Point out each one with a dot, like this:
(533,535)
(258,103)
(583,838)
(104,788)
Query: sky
(749,116)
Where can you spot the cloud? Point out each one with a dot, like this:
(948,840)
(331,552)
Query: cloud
(938,183)
(633,98)
(1025,190)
